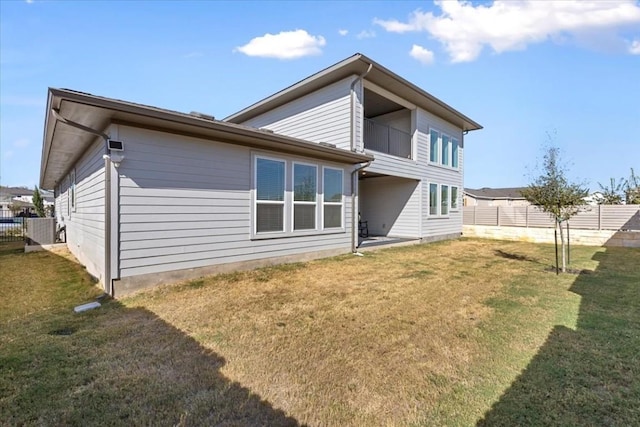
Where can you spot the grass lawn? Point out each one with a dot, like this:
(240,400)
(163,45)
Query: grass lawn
(467,332)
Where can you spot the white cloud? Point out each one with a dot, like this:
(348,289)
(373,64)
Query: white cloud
(366,34)
(343,32)
(507,25)
(284,45)
(8,154)
(421,54)
(21,143)
(634,49)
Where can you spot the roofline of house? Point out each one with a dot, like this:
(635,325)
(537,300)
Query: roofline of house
(176,122)
(354,65)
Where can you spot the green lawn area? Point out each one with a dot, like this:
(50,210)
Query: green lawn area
(458,333)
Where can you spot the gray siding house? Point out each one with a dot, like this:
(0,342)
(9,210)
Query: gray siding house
(148,195)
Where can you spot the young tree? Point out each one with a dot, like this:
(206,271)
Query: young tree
(613,193)
(38,202)
(632,189)
(555,194)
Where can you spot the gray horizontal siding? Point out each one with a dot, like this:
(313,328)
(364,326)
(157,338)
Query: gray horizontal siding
(391,206)
(189,215)
(321,116)
(85,226)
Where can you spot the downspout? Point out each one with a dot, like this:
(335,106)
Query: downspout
(107,194)
(354,224)
(354,173)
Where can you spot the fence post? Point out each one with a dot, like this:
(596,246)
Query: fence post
(498,207)
(474,216)
(526,216)
(599,217)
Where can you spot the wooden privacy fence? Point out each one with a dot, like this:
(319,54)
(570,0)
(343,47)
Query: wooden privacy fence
(601,217)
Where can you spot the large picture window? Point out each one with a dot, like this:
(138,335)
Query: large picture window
(270,178)
(304,196)
(332,199)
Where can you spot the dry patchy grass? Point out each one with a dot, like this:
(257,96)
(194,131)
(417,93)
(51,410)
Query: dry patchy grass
(427,335)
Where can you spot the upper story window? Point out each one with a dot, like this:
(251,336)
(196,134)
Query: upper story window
(443,149)
(434,137)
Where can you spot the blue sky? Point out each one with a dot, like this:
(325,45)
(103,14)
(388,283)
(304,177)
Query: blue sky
(522,69)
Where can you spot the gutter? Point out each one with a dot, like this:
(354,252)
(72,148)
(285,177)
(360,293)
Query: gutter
(107,194)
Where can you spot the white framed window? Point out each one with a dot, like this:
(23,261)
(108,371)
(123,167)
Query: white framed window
(454,153)
(332,198)
(434,138)
(446,142)
(305,190)
(270,178)
(433,199)
(444,200)
(454,198)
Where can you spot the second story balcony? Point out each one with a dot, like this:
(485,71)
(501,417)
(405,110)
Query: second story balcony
(386,139)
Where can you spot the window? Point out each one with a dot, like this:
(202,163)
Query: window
(444,200)
(304,196)
(454,153)
(454,198)
(73,191)
(434,135)
(433,199)
(445,150)
(270,177)
(332,188)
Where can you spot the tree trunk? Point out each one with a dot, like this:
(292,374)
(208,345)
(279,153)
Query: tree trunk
(564,259)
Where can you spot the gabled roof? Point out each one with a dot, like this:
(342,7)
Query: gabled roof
(358,64)
(495,193)
(64,144)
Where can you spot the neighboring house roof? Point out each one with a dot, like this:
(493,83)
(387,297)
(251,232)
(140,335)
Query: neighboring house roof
(495,193)
(64,144)
(358,64)
(15,191)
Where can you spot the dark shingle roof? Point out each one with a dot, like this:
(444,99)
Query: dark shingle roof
(495,193)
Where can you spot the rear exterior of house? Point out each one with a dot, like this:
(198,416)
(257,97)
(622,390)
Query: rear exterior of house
(148,196)
(414,187)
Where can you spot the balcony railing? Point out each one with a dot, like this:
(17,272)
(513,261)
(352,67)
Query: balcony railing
(385,139)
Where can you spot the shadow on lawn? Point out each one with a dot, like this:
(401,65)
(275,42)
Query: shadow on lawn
(119,366)
(591,375)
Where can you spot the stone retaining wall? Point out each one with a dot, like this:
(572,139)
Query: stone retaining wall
(629,239)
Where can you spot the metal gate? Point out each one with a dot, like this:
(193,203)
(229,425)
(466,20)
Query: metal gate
(13,228)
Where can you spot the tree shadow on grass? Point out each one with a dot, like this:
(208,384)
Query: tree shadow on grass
(118,366)
(589,376)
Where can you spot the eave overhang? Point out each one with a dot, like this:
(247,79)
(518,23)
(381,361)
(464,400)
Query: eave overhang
(64,144)
(354,66)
